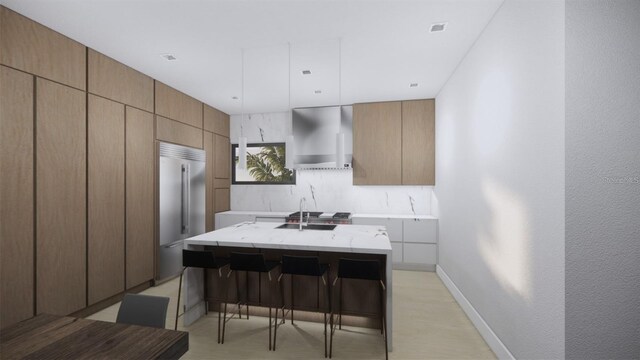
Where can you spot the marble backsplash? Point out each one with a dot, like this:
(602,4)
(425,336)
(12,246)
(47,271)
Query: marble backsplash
(325,190)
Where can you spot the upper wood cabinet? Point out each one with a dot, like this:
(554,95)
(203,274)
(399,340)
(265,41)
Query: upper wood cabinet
(61,195)
(418,142)
(178,133)
(394,143)
(113,80)
(106,218)
(33,48)
(216,121)
(377,143)
(175,105)
(140,196)
(16,192)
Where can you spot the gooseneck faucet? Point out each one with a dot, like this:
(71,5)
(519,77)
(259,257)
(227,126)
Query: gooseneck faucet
(303,204)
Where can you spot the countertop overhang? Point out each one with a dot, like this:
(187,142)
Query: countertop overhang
(365,239)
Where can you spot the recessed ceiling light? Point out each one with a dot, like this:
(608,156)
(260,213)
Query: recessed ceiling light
(234,97)
(306,72)
(413,85)
(169,57)
(318,91)
(438,27)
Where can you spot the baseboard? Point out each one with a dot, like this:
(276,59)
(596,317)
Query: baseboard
(489,336)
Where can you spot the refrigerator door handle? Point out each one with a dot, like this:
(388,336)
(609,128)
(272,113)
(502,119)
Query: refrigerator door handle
(185,200)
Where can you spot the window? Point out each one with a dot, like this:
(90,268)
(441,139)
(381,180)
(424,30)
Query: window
(265,165)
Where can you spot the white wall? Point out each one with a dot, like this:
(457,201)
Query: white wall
(325,190)
(500,177)
(603,179)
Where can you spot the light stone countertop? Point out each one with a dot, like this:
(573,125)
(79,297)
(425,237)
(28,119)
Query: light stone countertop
(357,215)
(365,239)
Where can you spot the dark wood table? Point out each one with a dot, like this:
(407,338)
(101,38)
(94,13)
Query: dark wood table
(60,337)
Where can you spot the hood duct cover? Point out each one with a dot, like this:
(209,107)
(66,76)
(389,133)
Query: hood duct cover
(315,135)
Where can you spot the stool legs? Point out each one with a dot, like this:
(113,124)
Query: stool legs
(178,302)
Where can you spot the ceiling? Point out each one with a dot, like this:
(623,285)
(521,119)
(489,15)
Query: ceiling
(385,45)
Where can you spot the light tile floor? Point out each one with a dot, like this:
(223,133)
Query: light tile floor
(428,324)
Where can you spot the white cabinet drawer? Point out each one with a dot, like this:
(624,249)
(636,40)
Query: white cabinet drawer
(420,253)
(397,253)
(225,220)
(394,226)
(421,230)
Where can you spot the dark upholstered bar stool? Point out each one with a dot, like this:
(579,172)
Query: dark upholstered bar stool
(253,262)
(363,270)
(203,260)
(307,266)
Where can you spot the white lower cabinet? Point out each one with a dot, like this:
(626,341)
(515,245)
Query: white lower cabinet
(414,240)
(424,254)
(224,220)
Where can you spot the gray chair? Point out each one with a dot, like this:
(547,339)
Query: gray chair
(143,310)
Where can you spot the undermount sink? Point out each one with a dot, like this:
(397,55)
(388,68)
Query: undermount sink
(308,226)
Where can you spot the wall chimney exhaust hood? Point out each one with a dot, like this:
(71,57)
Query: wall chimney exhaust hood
(316,137)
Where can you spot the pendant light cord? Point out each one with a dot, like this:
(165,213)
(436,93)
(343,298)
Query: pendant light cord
(242,92)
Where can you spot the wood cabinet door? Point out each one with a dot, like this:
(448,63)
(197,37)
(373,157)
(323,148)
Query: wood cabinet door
(116,81)
(175,105)
(216,121)
(16,192)
(61,173)
(418,142)
(36,49)
(178,133)
(105,239)
(139,165)
(209,211)
(222,156)
(377,143)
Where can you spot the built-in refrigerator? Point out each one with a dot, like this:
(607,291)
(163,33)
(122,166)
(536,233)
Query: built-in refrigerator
(181,186)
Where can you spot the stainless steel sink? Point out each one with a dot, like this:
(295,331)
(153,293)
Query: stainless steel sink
(308,226)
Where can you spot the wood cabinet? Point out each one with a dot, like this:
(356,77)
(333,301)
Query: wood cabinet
(208,140)
(418,142)
(105,216)
(173,104)
(223,157)
(222,201)
(28,46)
(139,164)
(16,192)
(113,80)
(394,143)
(377,143)
(178,133)
(61,191)
(216,121)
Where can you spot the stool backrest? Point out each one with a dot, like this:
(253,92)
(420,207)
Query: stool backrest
(143,310)
(199,259)
(301,265)
(359,269)
(248,262)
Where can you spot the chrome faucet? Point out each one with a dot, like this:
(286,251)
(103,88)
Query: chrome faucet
(303,204)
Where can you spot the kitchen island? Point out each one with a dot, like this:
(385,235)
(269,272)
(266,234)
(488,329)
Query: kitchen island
(345,241)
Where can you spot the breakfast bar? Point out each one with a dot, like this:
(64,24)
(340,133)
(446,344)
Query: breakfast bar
(329,243)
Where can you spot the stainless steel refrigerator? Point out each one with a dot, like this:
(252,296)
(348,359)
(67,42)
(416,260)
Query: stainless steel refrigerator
(181,204)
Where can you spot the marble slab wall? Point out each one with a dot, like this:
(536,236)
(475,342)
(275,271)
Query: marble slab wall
(325,190)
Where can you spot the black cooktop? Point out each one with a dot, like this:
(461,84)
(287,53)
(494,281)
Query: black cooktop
(341,215)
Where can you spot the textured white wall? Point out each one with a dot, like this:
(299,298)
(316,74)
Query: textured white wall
(603,179)
(325,190)
(500,177)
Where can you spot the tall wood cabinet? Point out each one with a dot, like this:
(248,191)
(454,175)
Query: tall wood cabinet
(61,193)
(106,208)
(16,192)
(394,143)
(140,197)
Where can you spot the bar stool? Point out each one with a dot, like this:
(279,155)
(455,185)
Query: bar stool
(308,266)
(363,270)
(202,260)
(253,262)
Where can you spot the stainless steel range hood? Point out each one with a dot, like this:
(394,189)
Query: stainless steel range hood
(315,133)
